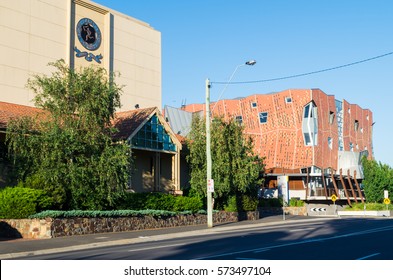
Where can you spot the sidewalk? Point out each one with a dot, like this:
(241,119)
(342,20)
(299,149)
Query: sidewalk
(19,248)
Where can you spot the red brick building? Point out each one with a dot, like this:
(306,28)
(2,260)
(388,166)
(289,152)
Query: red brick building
(306,135)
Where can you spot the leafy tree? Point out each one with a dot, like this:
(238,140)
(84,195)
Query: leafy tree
(377,178)
(68,150)
(236,170)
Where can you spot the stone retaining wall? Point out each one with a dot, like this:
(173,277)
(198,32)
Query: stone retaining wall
(298,211)
(50,228)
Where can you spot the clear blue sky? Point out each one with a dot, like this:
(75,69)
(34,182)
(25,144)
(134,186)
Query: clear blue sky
(209,38)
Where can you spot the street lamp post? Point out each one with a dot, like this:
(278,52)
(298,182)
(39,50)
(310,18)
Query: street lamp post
(208,158)
(208,146)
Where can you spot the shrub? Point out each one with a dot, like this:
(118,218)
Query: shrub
(232,205)
(241,203)
(249,203)
(57,194)
(271,202)
(160,201)
(184,203)
(369,206)
(295,202)
(19,203)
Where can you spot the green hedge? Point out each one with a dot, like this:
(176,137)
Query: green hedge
(20,203)
(270,202)
(294,202)
(160,201)
(241,203)
(109,214)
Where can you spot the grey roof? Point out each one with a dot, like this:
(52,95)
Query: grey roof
(179,120)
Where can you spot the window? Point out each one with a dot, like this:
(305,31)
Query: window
(306,111)
(239,119)
(307,139)
(288,99)
(310,124)
(331,117)
(330,143)
(263,117)
(153,136)
(356,125)
(254,104)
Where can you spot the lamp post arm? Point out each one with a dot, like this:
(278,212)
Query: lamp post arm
(226,85)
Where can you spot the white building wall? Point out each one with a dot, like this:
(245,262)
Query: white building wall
(33,33)
(36,32)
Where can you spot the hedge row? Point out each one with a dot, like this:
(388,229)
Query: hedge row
(109,214)
(159,201)
(19,203)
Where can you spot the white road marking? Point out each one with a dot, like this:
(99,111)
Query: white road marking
(301,229)
(369,256)
(157,247)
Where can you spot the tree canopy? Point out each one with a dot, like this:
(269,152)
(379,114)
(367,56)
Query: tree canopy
(68,150)
(378,177)
(235,168)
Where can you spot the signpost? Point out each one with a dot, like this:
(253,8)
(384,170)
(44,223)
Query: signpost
(334,198)
(283,191)
(210,186)
(386,199)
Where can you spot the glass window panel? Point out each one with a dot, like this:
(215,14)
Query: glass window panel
(263,117)
(307,139)
(306,110)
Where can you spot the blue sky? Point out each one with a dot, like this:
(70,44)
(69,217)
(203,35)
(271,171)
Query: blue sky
(209,39)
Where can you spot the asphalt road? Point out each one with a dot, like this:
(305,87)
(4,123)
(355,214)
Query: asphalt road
(314,239)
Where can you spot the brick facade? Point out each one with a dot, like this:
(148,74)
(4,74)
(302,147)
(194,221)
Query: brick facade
(280,138)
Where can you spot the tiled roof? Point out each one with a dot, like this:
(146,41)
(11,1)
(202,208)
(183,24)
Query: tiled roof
(127,122)
(10,111)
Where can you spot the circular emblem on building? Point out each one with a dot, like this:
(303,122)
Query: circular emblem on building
(89,34)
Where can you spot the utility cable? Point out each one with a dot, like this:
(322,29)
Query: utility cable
(306,74)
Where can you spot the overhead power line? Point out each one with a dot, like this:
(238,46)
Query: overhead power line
(308,73)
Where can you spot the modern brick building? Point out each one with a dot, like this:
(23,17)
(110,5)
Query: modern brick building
(307,137)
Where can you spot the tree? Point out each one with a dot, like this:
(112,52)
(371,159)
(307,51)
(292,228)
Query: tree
(68,150)
(236,170)
(377,178)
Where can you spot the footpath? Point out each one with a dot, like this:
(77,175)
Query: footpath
(19,248)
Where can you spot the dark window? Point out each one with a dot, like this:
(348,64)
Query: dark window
(356,125)
(263,117)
